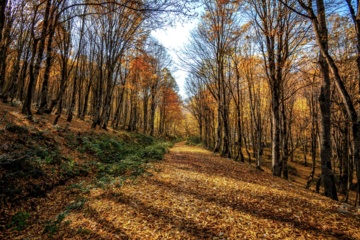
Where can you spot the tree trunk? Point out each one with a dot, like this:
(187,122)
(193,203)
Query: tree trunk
(275,145)
(73,97)
(226,137)
(26,109)
(327,176)
(3,4)
(152,110)
(22,77)
(45,85)
(345,160)
(259,147)
(35,66)
(218,131)
(319,25)
(86,101)
(240,155)
(119,107)
(145,111)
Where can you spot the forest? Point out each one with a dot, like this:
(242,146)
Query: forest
(279,75)
(265,144)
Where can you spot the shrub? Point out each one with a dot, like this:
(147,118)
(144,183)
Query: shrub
(144,140)
(16,128)
(193,140)
(19,221)
(117,156)
(155,152)
(105,148)
(53,226)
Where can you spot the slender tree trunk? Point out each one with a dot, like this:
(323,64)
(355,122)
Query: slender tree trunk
(14,83)
(344,178)
(152,110)
(327,176)
(38,47)
(26,109)
(73,98)
(80,95)
(259,147)
(45,85)
(97,102)
(240,155)
(3,4)
(225,117)
(105,115)
(356,138)
(226,137)
(126,107)
(86,101)
(119,107)
(145,111)
(58,112)
(22,76)
(218,131)
(133,111)
(285,146)
(275,145)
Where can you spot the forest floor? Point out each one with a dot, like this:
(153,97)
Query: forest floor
(191,194)
(194,194)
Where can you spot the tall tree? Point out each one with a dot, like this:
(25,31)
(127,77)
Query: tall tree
(316,12)
(208,53)
(37,52)
(3,4)
(279,32)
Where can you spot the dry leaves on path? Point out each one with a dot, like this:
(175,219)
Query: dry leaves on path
(194,194)
(197,195)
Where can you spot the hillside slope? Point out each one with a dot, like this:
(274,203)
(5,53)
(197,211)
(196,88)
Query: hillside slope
(40,163)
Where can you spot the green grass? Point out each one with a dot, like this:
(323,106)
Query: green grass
(19,221)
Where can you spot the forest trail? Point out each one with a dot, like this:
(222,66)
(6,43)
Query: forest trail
(195,194)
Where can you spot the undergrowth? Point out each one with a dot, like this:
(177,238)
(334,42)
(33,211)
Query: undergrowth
(193,141)
(33,162)
(118,158)
(19,221)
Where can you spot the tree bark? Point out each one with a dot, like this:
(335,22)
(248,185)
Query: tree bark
(45,85)
(34,67)
(152,109)
(275,144)
(328,178)
(145,111)
(3,4)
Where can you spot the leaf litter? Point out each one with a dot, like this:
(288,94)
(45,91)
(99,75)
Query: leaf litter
(194,194)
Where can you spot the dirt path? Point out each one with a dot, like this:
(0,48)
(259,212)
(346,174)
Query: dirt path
(194,194)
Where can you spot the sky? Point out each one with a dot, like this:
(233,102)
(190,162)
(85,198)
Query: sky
(173,39)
